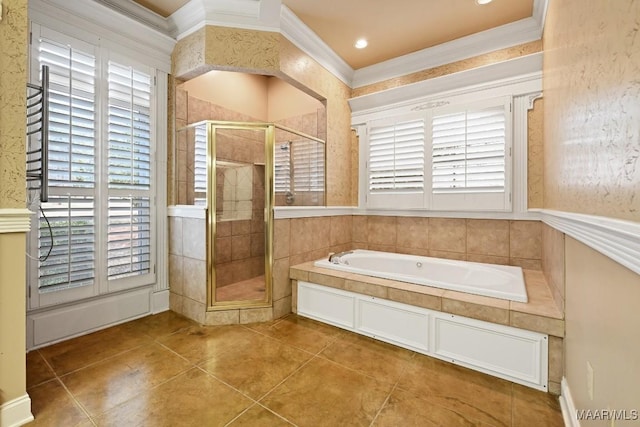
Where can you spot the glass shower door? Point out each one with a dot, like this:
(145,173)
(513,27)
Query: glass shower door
(241,270)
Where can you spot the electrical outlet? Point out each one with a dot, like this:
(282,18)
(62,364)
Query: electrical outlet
(590,380)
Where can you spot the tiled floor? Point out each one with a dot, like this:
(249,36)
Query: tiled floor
(164,370)
(251,289)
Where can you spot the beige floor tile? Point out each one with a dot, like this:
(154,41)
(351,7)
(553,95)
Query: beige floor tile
(325,394)
(190,399)
(404,409)
(199,343)
(77,353)
(472,394)
(382,361)
(38,371)
(257,416)
(256,367)
(532,407)
(51,405)
(106,384)
(299,332)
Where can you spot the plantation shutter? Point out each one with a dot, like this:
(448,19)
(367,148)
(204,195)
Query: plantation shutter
(200,165)
(282,166)
(70,211)
(396,157)
(129,215)
(469,151)
(308,165)
(71,262)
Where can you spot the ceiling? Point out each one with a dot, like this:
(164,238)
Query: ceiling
(392,28)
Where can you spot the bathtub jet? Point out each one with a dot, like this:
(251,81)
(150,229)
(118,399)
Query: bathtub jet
(491,280)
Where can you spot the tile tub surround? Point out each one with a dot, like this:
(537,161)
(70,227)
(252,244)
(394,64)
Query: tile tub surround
(541,314)
(493,241)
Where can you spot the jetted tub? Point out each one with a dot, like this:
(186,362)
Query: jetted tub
(491,280)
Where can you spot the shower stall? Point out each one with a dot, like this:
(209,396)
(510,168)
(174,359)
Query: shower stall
(237,172)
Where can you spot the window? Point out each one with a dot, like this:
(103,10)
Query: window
(96,233)
(299,166)
(448,158)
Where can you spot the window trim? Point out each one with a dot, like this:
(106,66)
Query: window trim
(105,50)
(521,79)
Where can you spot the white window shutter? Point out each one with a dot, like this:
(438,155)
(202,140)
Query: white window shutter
(282,167)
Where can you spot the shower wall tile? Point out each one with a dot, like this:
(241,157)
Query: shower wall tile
(341,229)
(176,274)
(488,237)
(175,302)
(175,235)
(240,247)
(381,230)
(447,234)
(281,282)
(459,256)
(254,315)
(222,253)
(488,259)
(194,238)
(195,279)
(526,239)
(553,260)
(282,307)
(360,228)
(194,310)
(413,232)
(281,238)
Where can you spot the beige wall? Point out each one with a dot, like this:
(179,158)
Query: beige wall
(242,92)
(287,101)
(591,134)
(602,325)
(13,78)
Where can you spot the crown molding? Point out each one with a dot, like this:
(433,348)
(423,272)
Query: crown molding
(103,19)
(513,34)
(261,15)
(139,13)
(525,70)
(306,40)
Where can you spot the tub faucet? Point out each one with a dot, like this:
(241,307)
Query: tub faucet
(335,258)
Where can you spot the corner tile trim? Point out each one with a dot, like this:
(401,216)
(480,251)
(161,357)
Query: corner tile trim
(15,220)
(615,238)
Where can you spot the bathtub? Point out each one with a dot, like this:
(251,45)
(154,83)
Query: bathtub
(497,281)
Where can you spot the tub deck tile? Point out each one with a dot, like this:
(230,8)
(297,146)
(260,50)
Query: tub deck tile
(541,314)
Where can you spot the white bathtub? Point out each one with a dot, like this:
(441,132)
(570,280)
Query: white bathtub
(497,281)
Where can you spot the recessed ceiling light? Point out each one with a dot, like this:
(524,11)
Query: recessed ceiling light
(361,43)
(483,1)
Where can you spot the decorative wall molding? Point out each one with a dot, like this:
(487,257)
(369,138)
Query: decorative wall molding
(15,220)
(525,71)
(16,412)
(569,413)
(513,34)
(306,40)
(272,15)
(615,238)
(115,26)
(261,15)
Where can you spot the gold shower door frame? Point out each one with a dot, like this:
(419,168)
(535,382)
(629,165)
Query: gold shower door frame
(269,129)
(270,136)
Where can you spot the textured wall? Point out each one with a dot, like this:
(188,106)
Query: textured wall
(13,78)
(535,157)
(592,113)
(272,54)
